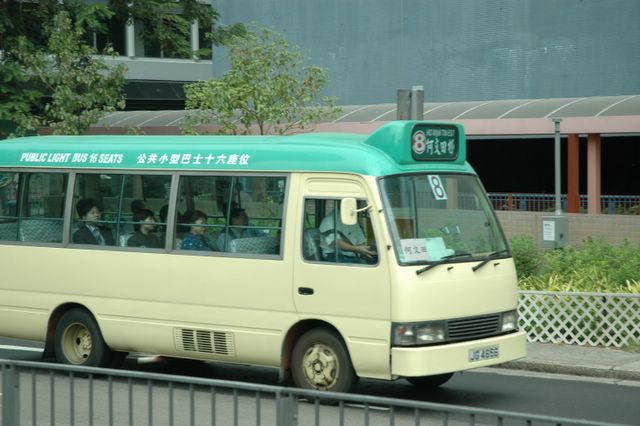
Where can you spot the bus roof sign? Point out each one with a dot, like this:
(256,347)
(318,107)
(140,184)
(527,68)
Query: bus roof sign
(411,142)
(435,142)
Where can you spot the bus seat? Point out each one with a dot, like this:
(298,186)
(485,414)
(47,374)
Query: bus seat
(260,245)
(8,231)
(124,238)
(41,230)
(311,244)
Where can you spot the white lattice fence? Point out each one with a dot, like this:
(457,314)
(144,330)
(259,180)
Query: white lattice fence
(586,319)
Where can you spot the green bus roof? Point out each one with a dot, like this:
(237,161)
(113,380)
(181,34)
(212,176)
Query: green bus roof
(397,147)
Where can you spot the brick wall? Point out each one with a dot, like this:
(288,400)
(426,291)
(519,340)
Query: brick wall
(613,229)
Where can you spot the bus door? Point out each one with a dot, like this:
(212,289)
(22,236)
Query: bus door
(346,288)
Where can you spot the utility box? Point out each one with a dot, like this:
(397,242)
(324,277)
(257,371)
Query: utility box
(555,230)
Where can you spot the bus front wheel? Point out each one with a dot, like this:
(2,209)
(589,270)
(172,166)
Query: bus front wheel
(78,340)
(430,382)
(320,361)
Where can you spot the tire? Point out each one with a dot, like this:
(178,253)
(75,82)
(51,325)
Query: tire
(320,361)
(78,341)
(430,382)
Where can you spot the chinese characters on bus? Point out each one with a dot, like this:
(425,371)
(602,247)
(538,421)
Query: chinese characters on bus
(191,159)
(438,142)
(144,158)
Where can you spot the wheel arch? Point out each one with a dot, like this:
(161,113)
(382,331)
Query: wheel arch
(56,314)
(292,337)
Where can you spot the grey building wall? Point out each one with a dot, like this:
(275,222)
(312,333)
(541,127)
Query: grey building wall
(458,49)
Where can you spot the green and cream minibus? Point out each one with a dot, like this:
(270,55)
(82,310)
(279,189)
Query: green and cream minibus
(328,256)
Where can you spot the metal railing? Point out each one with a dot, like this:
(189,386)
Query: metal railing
(35,393)
(609,204)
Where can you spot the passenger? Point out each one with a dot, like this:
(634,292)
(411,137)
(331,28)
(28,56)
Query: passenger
(162,227)
(136,206)
(164,211)
(91,232)
(145,225)
(195,239)
(349,241)
(238,228)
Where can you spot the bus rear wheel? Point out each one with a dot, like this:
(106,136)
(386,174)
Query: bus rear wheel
(430,382)
(78,340)
(320,361)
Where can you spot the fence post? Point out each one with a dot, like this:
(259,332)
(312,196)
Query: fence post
(286,409)
(10,395)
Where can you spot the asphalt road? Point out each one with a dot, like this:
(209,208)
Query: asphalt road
(515,391)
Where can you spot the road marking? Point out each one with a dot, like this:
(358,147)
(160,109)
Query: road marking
(20,348)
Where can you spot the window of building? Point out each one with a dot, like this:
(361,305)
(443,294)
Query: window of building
(155,48)
(114,36)
(205,45)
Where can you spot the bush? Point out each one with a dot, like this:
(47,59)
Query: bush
(525,255)
(595,266)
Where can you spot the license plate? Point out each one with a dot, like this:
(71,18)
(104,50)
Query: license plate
(481,354)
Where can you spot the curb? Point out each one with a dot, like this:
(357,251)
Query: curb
(600,371)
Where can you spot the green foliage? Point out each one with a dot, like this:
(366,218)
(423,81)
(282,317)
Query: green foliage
(16,99)
(632,346)
(27,53)
(525,255)
(164,23)
(595,266)
(82,88)
(267,86)
(163,26)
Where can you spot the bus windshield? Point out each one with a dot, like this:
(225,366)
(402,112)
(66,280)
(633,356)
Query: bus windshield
(440,216)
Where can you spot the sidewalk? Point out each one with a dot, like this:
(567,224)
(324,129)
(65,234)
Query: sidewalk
(579,361)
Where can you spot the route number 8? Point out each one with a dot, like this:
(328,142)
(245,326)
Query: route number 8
(439,193)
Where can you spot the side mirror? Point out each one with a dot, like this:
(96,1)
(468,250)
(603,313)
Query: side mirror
(349,211)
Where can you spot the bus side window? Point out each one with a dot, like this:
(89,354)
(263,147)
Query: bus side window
(240,214)
(326,238)
(8,206)
(42,210)
(95,205)
(120,210)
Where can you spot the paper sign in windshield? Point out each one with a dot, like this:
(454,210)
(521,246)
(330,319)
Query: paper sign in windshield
(424,249)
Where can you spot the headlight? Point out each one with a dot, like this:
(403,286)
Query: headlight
(510,321)
(418,333)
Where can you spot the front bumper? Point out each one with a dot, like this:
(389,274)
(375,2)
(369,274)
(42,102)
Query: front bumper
(430,360)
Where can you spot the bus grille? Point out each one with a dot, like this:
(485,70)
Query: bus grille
(204,341)
(473,328)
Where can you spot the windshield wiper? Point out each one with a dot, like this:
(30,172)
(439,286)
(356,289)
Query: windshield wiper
(489,258)
(444,259)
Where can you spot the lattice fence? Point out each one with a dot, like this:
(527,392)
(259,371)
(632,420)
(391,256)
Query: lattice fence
(586,319)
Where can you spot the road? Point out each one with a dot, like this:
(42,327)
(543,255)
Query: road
(534,393)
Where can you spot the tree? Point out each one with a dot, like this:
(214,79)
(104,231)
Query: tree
(82,88)
(165,23)
(26,26)
(267,85)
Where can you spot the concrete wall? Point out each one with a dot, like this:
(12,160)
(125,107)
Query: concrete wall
(458,49)
(613,229)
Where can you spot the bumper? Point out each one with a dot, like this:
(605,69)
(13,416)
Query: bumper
(426,361)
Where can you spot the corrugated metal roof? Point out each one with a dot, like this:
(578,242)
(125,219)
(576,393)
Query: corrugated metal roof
(608,115)
(588,107)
